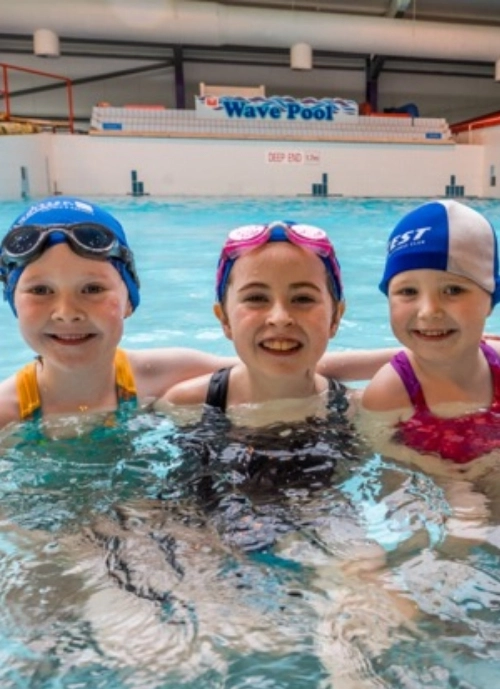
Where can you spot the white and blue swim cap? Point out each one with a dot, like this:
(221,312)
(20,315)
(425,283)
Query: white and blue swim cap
(445,235)
(65,211)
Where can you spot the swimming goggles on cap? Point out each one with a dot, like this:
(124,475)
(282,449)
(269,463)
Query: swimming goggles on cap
(248,237)
(25,243)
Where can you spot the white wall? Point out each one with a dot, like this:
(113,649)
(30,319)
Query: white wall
(31,151)
(489,140)
(98,165)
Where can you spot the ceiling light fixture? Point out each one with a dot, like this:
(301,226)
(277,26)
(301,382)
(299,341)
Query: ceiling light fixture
(301,56)
(46,43)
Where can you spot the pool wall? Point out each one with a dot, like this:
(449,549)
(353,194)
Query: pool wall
(39,164)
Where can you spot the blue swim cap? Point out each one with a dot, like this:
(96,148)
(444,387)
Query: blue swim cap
(68,210)
(449,236)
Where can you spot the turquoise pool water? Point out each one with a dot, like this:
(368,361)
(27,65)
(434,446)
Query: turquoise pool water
(112,577)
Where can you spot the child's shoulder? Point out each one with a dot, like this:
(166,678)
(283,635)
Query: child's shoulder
(187,393)
(385,391)
(9,403)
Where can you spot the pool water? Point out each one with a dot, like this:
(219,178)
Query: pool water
(124,565)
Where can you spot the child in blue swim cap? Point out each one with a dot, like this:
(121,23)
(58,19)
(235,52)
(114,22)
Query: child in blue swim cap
(436,405)
(70,278)
(442,280)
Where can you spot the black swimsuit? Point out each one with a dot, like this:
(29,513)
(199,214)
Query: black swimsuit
(250,479)
(219,385)
(217,389)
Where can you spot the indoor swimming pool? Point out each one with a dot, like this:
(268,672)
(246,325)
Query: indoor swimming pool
(125,563)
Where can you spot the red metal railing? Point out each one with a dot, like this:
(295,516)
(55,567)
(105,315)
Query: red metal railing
(5,93)
(490,120)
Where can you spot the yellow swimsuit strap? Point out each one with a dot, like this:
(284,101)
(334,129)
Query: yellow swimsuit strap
(28,394)
(27,391)
(125,383)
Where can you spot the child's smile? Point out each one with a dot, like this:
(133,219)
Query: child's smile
(281,346)
(70,304)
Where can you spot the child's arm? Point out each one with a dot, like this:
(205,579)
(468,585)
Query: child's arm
(358,364)
(187,393)
(158,370)
(363,364)
(493,341)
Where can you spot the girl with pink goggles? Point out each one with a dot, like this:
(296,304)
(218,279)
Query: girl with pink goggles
(249,237)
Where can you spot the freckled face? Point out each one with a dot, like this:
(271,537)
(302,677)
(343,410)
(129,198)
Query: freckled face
(71,308)
(278,309)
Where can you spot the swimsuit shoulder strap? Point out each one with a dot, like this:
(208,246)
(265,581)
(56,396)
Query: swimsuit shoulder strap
(401,364)
(493,359)
(125,384)
(338,401)
(334,385)
(217,389)
(491,355)
(28,394)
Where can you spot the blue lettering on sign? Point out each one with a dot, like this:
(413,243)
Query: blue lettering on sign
(293,110)
(234,107)
(278,107)
(270,110)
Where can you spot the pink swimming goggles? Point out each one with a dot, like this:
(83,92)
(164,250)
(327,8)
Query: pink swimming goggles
(248,237)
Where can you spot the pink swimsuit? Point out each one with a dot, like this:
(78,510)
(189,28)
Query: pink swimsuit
(459,439)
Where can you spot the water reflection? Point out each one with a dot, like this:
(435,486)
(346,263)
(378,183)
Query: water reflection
(147,556)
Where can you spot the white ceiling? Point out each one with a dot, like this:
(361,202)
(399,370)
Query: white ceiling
(98,26)
(481,12)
